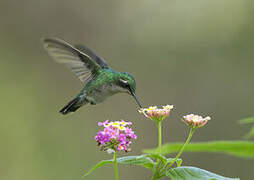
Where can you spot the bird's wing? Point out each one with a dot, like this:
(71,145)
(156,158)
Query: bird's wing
(93,56)
(82,64)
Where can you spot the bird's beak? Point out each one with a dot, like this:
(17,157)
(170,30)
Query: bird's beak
(135,97)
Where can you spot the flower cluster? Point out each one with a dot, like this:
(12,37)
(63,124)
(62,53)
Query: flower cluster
(115,136)
(195,121)
(155,113)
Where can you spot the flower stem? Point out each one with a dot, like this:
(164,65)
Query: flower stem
(160,137)
(155,175)
(182,148)
(115,165)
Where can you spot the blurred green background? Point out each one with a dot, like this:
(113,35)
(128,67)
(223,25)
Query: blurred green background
(197,55)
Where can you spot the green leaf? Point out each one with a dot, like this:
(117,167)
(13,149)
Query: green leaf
(235,148)
(101,163)
(250,134)
(247,120)
(193,173)
(141,160)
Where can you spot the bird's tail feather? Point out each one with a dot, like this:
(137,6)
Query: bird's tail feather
(72,106)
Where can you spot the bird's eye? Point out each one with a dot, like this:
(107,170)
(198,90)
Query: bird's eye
(124,83)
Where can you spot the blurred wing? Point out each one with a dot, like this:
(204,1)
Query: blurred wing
(80,63)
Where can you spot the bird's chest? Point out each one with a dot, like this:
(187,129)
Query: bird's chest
(99,94)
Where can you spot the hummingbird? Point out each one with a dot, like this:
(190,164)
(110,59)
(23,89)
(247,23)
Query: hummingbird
(99,80)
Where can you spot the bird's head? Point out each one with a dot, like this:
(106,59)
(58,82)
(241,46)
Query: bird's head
(127,82)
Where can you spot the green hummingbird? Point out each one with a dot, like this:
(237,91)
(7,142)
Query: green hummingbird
(99,80)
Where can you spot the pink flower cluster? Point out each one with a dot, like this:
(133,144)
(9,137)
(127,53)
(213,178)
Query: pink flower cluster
(115,136)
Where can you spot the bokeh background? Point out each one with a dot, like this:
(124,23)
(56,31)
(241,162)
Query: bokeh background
(197,55)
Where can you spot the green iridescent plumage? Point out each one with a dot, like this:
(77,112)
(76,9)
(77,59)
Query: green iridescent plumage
(100,81)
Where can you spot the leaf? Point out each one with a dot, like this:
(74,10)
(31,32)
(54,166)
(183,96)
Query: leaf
(247,120)
(235,148)
(250,134)
(193,173)
(141,160)
(101,163)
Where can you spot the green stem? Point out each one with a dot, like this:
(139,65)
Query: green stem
(155,175)
(181,150)
(115,164)
(159,135)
